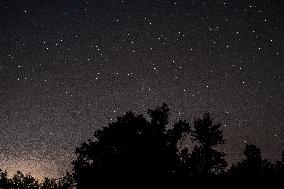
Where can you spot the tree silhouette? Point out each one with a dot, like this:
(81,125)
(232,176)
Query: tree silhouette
(282,163)
(279,166)
(135,148)
(131,148)
(49,184)
(66,182)
(4,181)
(20,181)
(253,165)
(205,160)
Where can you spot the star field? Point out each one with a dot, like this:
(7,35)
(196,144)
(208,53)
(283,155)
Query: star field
(70,67)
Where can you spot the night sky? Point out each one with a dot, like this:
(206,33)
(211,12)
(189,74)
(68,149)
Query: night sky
(69,67)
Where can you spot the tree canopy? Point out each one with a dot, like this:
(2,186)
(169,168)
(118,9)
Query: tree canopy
(139,148)
(132,147)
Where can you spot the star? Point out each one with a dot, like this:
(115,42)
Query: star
(67,69)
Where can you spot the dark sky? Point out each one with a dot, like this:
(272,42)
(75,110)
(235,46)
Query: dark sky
(68,67)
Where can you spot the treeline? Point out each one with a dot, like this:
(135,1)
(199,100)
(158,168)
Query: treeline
(135,148)
(21,181)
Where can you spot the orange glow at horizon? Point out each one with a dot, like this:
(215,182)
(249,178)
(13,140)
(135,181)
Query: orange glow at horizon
(36,168)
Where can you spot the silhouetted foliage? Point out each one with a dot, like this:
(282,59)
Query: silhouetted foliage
(131,147)
(253,165)
(49,184)
(205,160)
(4,181)
(135,148)
(66,182)
(21,181)
(279,165)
